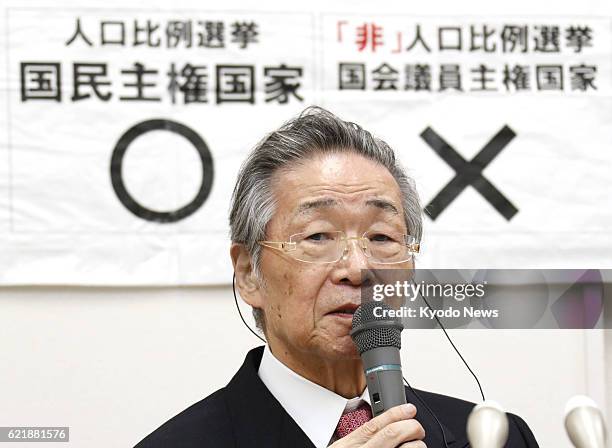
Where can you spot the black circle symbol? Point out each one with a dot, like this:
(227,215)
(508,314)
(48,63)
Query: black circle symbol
(117,179)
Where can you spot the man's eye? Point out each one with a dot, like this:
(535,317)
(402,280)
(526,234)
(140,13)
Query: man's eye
(318,237)
(380,237)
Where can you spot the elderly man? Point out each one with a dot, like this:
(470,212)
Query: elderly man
(315,203)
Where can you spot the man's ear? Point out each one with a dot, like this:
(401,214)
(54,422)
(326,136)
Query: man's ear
(246,281)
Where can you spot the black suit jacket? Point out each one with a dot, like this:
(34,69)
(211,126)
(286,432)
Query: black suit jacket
(244,414)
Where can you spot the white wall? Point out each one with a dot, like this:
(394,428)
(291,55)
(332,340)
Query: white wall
(115,363)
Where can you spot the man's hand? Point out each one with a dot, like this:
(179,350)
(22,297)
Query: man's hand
(393,428)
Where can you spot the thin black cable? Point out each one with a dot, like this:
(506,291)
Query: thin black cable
(239,312)
(428,410)
(452,344)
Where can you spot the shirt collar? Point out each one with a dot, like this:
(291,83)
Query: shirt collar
(315,409)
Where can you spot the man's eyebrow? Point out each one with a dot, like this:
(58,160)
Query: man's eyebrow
(309,206)
(383,204)
(306,207)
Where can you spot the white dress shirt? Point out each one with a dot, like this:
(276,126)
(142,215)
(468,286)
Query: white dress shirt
(315,409)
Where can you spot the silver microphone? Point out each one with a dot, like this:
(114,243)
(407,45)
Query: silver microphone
(378,340)
(584,423)
(487,425)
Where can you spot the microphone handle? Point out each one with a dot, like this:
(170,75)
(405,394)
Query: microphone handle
(383,371)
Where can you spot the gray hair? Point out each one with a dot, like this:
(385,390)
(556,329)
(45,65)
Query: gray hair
(314,131)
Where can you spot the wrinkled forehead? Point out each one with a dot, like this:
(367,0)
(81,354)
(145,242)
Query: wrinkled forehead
(330,204)
(337,184)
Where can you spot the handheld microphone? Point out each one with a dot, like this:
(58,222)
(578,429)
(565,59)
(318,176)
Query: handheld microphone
(378,340)
(584,423)
(487,425)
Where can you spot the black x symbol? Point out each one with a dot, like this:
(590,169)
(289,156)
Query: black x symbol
(469,173)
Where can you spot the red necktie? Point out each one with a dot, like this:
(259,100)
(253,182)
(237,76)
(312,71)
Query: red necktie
(352,420)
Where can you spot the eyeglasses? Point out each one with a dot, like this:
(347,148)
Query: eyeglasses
(330,247)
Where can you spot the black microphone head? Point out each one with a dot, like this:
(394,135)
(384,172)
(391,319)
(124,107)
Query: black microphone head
(371,328)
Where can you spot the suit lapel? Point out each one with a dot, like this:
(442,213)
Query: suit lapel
(258,418)
(433,433)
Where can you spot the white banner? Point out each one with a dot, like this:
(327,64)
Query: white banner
(125,130)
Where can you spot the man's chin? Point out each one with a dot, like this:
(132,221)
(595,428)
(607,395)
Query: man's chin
(343,349)
(336,344)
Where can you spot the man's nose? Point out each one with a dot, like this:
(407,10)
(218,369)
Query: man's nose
(353,262)
(354,246)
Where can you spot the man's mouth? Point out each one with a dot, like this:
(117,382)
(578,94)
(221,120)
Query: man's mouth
(345,310)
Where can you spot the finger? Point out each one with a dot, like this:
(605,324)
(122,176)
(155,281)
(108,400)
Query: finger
(369,429)
(397,433)
(414,444)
